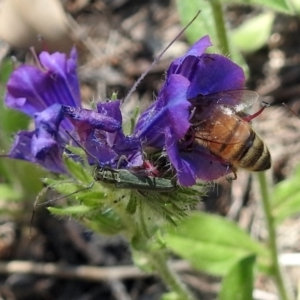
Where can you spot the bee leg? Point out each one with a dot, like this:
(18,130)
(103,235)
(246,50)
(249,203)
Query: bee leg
(231,178)
(143,193)
(121,160)
(249,118)
(234,176)
(188,140)
(230,169)
(192,113)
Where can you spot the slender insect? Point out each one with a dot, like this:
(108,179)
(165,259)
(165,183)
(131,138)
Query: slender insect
(126,179)
(220,125)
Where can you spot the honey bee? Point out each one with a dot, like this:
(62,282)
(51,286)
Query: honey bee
(220,125)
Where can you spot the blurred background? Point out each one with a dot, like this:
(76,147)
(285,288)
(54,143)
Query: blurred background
(117,40)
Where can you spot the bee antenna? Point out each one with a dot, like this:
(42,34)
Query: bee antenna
(79,145)
(249,118)
(290,110)
(43,191)
(265,104)
(156,60)
(36,58)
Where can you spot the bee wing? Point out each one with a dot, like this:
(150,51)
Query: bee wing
(237,100)
(221,126)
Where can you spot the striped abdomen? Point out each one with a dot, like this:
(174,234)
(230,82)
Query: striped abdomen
(251,154)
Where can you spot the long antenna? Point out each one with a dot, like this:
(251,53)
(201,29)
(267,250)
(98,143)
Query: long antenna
(44,190)
(79,145)
(291,110)
(156,60)
(88,187)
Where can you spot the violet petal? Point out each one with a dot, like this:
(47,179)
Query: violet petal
(185,172)
(111,109)
(194,52)
(171,109)
(215,73)
(22,149)
(90,119)
(31,89)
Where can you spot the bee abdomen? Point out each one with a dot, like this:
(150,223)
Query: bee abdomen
(256,156)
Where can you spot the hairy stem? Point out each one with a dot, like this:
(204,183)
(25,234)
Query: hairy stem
(220,26)
(169,277)
(272,235)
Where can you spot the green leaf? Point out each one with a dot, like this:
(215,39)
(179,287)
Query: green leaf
(170,296)
(87,194)
(277,5)
(5,70)
(295,5)
(66,187)
(7,192)
(11,122)
(286,188)
(92,197)
(23,176)
(75,210)
(254,33)
(238,284)
(288,209)
(211,258)
(132,205)
(106,222)
(204,23)
(212,243)
(129,125)
(286,197)
(81,172)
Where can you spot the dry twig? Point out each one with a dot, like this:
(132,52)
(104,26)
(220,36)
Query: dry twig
(90,273)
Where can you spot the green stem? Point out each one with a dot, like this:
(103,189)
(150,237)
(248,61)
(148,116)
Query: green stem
(270,222)
(220,26)
(169,277)
(158,260)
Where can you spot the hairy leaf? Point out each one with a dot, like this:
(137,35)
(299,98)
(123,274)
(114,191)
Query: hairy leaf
(254,33)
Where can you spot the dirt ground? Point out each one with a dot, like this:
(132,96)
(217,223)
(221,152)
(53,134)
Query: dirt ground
(123,37)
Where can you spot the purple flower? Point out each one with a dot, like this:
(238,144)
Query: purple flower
(40,93)
(32,89)
(107,146)
(50,94)
(166,123)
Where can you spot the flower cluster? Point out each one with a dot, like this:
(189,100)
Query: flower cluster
(166,123)
(50,95)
